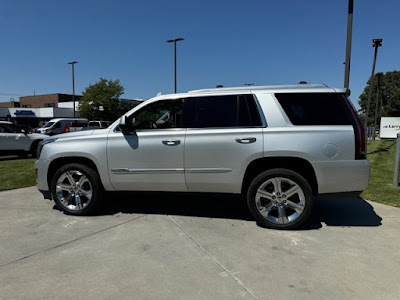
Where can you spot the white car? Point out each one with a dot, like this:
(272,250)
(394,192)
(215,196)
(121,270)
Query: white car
(14,141)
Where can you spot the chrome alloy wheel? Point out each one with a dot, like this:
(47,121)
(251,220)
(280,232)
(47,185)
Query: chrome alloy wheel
(74,190)
(280,200)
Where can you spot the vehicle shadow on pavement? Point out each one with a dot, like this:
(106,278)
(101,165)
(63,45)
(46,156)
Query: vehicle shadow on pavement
(346,212)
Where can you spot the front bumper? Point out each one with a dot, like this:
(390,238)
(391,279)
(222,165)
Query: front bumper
(41,168)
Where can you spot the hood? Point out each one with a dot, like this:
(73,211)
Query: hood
(37,136)
(71,134)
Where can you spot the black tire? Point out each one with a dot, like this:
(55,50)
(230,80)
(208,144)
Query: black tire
(280,211)
(34,148)
(93,184)
(23,154)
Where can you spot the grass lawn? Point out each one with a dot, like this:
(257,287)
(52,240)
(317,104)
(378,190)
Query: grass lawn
(15,174)
(381,189)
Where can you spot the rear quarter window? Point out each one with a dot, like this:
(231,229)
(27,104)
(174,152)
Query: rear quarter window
(315,108)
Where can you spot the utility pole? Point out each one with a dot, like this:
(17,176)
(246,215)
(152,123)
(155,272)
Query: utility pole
(376,44)
(174,41)
(378,77)
(72,63)
(348,45)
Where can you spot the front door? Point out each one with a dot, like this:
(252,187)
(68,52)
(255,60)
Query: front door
(150,158)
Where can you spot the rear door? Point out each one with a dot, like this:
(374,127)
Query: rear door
(224,135)
(12,138)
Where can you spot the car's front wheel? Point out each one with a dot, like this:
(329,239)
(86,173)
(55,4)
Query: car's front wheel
(280,199)
(77,189)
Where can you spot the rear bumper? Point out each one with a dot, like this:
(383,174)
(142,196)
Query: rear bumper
(342,176)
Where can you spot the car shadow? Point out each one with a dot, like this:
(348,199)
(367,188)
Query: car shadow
(345,212)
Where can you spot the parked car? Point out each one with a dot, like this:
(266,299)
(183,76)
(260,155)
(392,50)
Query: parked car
(277,146)
(15,141)
(97,125)
(57,126)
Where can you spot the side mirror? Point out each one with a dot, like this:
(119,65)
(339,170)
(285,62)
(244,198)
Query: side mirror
(23,131)
(125,124)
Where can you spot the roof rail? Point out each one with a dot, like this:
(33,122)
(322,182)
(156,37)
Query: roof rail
(262,87)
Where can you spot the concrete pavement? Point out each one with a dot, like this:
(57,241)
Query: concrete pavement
(158,246)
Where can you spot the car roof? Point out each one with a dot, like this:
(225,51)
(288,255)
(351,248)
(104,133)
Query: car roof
(5,122)
(296,88)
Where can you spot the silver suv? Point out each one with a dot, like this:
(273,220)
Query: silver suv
(278,146)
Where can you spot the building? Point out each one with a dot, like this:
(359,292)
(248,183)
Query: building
(9,104)
(49,100)
(36,110)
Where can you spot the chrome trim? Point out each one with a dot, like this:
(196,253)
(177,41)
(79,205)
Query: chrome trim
(145,171)
(208,170)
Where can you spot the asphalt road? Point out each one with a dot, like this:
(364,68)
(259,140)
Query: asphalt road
(195,247)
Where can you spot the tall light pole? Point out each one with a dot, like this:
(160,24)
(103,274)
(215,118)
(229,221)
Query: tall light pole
(376,44)
(378,75)
(174,41)
(72,63)
(348,45)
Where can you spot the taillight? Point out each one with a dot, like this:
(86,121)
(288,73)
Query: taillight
(359,132)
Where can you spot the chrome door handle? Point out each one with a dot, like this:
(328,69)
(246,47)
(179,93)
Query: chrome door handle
(246,140)
(171,142)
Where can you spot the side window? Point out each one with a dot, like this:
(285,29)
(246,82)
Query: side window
(315,108)
(2,129)
(160,115)
(58,125)
(221,111)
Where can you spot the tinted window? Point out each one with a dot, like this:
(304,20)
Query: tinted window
(221,111)
(314,108)
(159,115)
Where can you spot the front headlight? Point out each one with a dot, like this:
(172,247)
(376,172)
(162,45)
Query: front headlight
(42,143)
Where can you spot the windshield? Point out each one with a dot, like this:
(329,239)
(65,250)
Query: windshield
(48,124)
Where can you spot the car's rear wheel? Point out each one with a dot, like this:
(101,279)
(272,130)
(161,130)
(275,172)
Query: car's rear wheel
(280,199)
(77,189)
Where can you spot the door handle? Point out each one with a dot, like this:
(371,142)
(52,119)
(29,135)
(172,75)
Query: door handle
(246,140)
(171,142)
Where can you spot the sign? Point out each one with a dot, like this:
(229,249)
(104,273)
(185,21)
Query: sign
(25,113)
(390,127)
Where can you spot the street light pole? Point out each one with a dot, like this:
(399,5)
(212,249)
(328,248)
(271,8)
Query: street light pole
(72,63)
(378,75)
(376,44)
(348,45)
(174,41)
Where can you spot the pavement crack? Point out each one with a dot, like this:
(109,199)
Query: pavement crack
(231,274)
(71,241)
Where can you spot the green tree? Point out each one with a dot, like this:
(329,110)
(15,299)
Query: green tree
(101,101)
(389,96)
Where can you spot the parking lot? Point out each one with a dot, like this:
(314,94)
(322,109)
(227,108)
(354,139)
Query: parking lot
(157,246)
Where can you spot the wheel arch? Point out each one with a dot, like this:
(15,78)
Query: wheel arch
(296,164)
(57,163)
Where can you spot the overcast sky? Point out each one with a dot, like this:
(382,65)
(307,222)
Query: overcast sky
(226,42)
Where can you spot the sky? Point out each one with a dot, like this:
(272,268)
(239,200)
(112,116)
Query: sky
(231,43)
